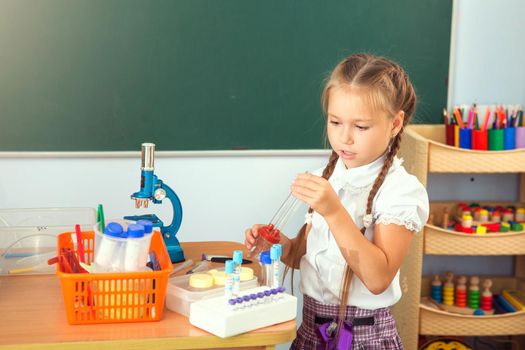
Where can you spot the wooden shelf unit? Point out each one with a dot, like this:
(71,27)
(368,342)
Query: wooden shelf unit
(424,152)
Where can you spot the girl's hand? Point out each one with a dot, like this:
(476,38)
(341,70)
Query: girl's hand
(251,235)
(317,193)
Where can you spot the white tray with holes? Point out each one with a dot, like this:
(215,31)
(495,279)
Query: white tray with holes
(217,316)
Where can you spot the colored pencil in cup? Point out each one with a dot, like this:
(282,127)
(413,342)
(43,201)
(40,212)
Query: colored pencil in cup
(486,119)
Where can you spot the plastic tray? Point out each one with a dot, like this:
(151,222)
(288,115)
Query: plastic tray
(28,237)
(179,296)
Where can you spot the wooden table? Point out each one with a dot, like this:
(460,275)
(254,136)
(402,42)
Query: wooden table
(33,317)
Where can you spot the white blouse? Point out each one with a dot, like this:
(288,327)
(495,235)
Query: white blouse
(401,200)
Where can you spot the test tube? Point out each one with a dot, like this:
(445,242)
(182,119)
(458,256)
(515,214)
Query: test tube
(266,263)
(246,301)
(285,210)
(260,298)
(228,284)
(275,256)
(267,295)
(270,234)
(238,303)
(253,299)
(237,266)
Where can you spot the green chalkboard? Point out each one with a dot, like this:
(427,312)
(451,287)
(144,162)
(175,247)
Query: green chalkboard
(83,75)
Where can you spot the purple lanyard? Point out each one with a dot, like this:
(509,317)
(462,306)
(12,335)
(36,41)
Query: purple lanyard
(327,331)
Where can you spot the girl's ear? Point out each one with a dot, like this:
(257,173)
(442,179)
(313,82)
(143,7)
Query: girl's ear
(397,123)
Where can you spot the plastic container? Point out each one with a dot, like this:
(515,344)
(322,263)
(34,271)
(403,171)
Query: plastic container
(520,137)
(228,282)
(28,237)
(110,248)
(237,265)
(465,138)
(509,137)
(449,134)
(180,295)
(114,297)
(137,247)
(266,272)
(496,139)
(148,230)
(275,256)
(480,140)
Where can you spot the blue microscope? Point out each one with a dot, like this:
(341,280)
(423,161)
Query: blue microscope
(154,189)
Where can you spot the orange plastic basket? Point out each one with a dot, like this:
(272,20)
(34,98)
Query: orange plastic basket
(92,298)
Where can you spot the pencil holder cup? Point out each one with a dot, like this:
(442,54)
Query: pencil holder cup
(509,138)
(520,137)
(480,140)
(496,139)
(449,134)
(465,138)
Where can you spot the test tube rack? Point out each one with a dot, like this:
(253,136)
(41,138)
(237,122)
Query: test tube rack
(226,318)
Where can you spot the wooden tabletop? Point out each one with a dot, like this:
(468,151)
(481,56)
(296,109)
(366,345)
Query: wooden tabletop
(33,317)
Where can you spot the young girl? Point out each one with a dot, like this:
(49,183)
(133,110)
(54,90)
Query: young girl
(364,209)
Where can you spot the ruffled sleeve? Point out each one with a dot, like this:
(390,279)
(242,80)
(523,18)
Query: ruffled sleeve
(402,200)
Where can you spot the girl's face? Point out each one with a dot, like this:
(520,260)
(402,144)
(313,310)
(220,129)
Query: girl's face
(358,136)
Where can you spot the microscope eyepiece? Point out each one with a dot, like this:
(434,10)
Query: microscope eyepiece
(148,156)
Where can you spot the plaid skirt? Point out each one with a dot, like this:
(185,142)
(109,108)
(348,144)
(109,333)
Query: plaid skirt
(377,332)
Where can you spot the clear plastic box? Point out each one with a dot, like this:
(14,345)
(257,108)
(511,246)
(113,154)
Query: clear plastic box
(180,295)
(28,237)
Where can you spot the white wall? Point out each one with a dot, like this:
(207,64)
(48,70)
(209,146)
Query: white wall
(221,192)
(486,67)
(487,52)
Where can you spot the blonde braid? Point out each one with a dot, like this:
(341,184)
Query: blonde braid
(394,147)
(329,169)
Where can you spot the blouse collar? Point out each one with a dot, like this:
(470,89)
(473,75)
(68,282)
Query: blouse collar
(362,176)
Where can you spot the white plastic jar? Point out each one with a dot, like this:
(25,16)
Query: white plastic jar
(108,251)
(137,245)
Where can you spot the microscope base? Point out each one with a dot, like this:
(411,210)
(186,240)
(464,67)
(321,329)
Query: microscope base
(176,254)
